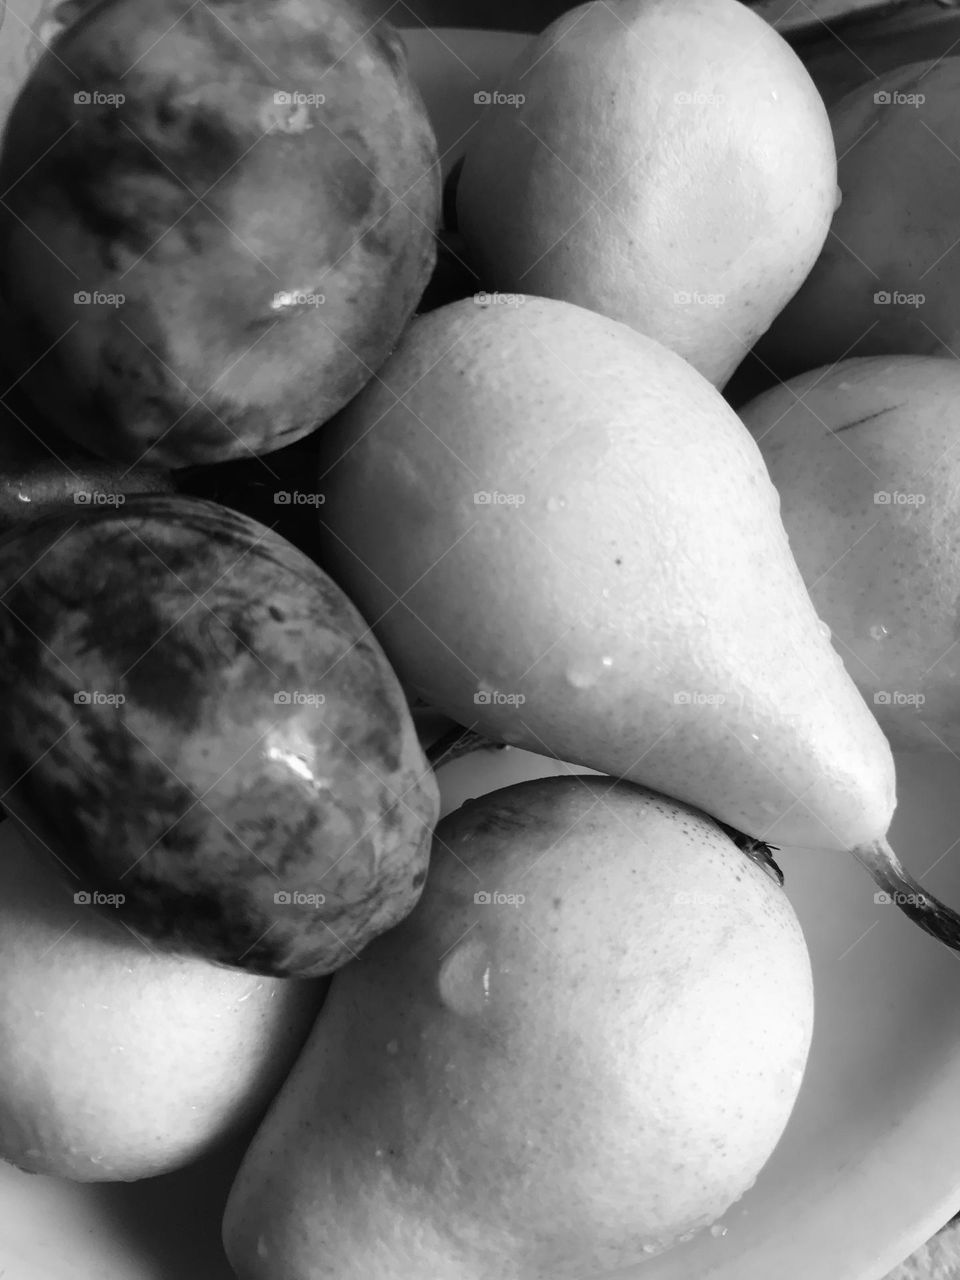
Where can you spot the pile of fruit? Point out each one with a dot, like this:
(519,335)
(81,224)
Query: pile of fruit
(645,460)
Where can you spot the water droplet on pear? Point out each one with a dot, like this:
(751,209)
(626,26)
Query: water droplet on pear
(463,982)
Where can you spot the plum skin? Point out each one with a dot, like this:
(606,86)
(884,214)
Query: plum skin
(201,201)
(200,797)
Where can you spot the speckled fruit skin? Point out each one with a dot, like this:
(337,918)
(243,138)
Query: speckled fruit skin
(264,746)
(201,199)
(864,456)
(539,1089)
(586,619)
(119,1061)
(669,164)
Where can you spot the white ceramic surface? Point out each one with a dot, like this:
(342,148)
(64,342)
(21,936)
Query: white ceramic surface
(870,1164)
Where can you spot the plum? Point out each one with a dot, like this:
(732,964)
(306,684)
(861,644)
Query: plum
(202,730)
(217,220)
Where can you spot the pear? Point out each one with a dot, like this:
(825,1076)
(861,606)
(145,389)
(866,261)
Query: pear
(667,164)
(582,1046)
(565,538)
(118,1062)
(888,279)
(865,457)
(197,719)
(214,228)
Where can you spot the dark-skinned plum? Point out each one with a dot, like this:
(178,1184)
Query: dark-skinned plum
(244,202)
(198,722)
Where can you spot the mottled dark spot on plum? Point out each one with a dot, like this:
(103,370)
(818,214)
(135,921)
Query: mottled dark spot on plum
(418,879)
(117,594)
(322,52)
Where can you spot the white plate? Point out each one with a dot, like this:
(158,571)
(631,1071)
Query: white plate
(870,1164)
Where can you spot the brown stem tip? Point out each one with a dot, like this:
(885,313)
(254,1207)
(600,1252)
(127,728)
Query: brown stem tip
(908,894)
(756,850)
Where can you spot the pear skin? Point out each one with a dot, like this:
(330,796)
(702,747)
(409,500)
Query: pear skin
(864,455)
(582,1045)
(541,531)
(117,1062)
(565,538)
(888,278)
(668,164)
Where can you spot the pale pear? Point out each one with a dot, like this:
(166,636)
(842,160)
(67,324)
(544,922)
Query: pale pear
(668,163)
(581,1046)
(118,1062)
(866,457)
(564,537)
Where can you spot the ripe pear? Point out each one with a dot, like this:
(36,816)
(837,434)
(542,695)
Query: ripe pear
(583,1045)
(197,718)
(230,221)
(864,455)
(888,279)
(117,1062)
(667,163)
(564,537)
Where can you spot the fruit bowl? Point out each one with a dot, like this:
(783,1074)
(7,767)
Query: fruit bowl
(867,1168)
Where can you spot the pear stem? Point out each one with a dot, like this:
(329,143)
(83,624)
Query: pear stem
(908,894)
(756,850)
